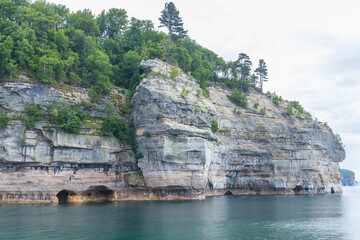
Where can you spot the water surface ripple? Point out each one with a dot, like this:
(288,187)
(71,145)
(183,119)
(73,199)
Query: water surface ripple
(224,217)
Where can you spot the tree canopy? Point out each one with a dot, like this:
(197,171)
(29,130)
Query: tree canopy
(52,44)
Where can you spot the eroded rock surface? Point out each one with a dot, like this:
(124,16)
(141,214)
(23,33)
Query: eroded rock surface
(252,153)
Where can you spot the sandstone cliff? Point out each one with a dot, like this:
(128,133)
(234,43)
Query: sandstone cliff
(251,153)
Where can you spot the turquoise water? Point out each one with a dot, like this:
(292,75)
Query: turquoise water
(224,217)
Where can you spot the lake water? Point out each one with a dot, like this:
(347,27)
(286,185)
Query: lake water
(224,217)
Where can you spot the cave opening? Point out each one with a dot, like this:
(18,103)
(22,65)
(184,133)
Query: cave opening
(98,193)
(228,193)
(63,196)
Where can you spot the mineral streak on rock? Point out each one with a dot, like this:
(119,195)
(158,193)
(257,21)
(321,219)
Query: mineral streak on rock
(252,153)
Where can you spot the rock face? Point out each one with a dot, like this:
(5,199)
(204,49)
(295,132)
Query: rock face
(42,164)
(252,153)
(347,177)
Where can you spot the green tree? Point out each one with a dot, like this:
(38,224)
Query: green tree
(172,21)
(183,58)
(24,52)
(11,68)
(261,71)
(129,70)
(244,63)
(112,23)
(6,48)
(85,21)
(49,68)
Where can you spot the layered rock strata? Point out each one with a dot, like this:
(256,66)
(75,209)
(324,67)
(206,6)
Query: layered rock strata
(44,164)
(253,152)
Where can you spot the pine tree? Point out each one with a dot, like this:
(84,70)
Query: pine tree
(172,21)
(261,71)
(244,63)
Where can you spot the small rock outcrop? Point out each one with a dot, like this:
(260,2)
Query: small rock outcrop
(347,177)
(253,152)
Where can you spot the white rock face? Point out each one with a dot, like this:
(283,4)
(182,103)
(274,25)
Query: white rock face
(251,153)
(37,163)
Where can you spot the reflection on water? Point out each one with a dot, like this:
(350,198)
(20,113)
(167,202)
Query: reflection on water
(225,217)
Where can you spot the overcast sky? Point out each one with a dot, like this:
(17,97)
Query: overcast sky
(311,48)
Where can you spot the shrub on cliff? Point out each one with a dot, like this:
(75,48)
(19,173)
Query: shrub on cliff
(33,113)
(4,119)
(277,99)
(338,142)
(239,98)
(115,126)
(174,73)
(214,126)
(289,110)
(70,117)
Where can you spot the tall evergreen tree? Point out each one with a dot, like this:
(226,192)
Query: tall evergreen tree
(244,63)
(172,21)
(261,71)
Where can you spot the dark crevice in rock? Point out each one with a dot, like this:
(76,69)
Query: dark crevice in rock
(65,195)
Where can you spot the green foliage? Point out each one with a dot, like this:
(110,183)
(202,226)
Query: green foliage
(22,142)
(295,104)
(256,105)
(109,108)
(277,99)
(289,110)
(146,134)
(263,110)
(33,114)
(174,73)
(214,125)
(112,23)
(128,72)
(308,116)
(261,72)
(115,126)
(73,123)
(55,45)
(172,21)
(69,117)
(338,142)
(237,111)
(185,92)
(238,98)
(205,93)
(128,96)
(86,104)
(4,119)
